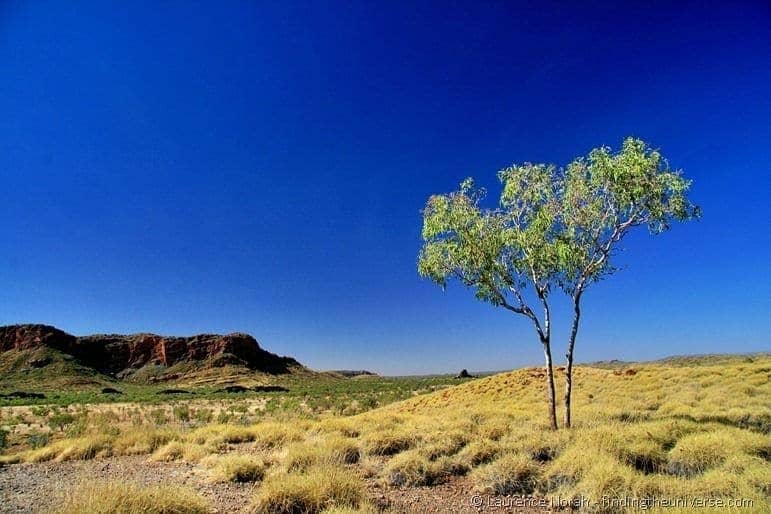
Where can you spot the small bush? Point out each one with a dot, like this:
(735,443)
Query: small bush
(158,416)
(181,413)
(60,420)
(203,415)
(37,440)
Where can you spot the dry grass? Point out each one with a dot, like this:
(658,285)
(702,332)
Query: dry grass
(665,430)
(236,468)
(178,450)
(313,490)
(415,468)
(127,498)
(390,442)
(334,450)
(514,473)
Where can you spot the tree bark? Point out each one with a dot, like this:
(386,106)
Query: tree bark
(569,356)
(550,381)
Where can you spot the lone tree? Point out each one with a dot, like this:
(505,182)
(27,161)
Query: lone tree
(553,228)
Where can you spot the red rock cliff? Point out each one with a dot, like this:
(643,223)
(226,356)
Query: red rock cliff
(115,354)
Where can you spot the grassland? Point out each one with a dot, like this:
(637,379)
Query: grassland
(692,431)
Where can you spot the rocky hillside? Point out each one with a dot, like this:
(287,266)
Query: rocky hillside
(141,355)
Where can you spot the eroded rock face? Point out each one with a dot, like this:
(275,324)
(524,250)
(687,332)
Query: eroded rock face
(116,354)
(27,337)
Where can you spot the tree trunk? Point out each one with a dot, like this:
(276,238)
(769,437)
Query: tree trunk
(569,356)
(550,381)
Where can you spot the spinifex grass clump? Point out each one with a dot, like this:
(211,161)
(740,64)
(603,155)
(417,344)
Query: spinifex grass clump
(236,467)
(312,490)
(128,498)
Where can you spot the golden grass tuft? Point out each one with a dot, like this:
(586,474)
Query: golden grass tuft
(236,468)
(178,450)
(390,442)
(82,448)
(5,460)
(330,450)
(315,489)
(142,440)
(510,474)
(700,452)
(215,435)
(128,498)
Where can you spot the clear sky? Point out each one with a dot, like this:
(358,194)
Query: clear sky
(260,167)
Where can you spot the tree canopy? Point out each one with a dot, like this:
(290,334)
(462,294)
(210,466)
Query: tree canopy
(553,227)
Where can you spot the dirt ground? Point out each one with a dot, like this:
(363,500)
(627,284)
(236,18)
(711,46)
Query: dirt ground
(38,488)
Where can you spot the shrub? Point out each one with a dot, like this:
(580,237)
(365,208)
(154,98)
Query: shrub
(203,415)
(181,412)
(37,439)
(158,416)
(60,420)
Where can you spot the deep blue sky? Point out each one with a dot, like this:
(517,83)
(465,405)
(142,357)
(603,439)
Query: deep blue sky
(261,167)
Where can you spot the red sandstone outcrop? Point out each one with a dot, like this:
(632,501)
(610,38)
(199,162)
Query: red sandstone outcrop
(120,354)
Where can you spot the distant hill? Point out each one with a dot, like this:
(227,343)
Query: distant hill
(701,359)
(352,373)
(45,351)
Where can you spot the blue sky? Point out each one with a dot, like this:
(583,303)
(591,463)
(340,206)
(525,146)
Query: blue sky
(261,167)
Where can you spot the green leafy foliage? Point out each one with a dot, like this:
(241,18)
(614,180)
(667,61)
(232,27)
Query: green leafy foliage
(552,226)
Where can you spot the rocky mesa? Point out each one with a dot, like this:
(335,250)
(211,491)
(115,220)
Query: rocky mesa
(120,356)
